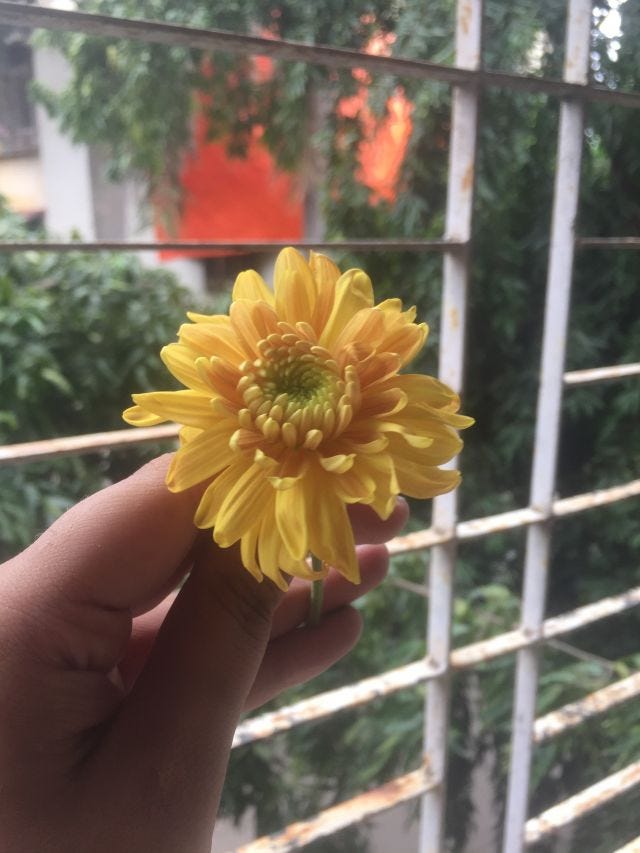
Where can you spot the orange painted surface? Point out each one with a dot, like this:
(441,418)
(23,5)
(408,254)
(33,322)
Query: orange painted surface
(228,198)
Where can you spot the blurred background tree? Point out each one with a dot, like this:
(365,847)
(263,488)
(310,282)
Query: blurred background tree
(140,100)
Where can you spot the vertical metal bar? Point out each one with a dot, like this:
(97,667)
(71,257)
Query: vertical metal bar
(454,303)
(565,205)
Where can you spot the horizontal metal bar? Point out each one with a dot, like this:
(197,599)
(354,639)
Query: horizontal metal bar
(575,713)
(363,245)
(600,497)
(588,613)
(53,448)
(422,539)
(31,451)
(23,15)
(325,704)
(555,626)
(582,803)
(345,814)
(608,242)
(601,374)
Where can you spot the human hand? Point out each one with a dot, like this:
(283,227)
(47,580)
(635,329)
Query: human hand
(118,697)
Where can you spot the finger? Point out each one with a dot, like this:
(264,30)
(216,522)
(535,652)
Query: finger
(292,611)
(302,654)
(370,529)
(338,591)
(118,548)
(143,635)
(177,724)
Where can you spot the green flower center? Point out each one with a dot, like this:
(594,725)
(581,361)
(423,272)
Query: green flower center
(304,383)
(294,392)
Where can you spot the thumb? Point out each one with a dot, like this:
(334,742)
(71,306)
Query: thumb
(176,727)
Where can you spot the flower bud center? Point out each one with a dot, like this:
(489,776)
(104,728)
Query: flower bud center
(294,392)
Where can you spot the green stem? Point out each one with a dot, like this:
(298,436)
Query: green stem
(317,592)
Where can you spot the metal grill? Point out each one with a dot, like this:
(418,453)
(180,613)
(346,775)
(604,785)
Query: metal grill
(428,783)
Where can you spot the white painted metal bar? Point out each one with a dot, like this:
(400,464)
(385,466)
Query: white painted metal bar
(601,374)
(323,705)
(632,243)
(462,157)
(298,835)
(54,448)
(161,32)
(565,204)
(362,245)
(582,803)
(590,500)
(575,713)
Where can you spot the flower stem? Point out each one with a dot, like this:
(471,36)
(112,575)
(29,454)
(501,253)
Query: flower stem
(317,592)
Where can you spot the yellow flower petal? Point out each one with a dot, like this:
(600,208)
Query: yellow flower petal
(241,505)
(214,494)
(269,546)
(248,553)
(207,339)
(187,434)
(191,408)
(201,458)
(354,292)
(443,448)
(325,274)
(427,483)
(252,322)
(291,521)
(329,530)
(294,287)
(337,464)
(250,285)
(219,319)
(136,416)
(181,361)
(382,469)
(426,389)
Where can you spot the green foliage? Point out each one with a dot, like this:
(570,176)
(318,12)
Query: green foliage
(73,345)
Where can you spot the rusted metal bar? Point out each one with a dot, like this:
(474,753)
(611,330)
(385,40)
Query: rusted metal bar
(158,32)
(333,819)
(590,500)
(325,704)
(582,803)
(363,245)
(554,626)
(498,523)
(575,713)
(601,374)
(548,414)
(54,448)
(608,243)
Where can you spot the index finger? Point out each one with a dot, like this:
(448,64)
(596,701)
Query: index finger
(120,547)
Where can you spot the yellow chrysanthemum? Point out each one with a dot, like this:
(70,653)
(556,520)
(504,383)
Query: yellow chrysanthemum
(295,407)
